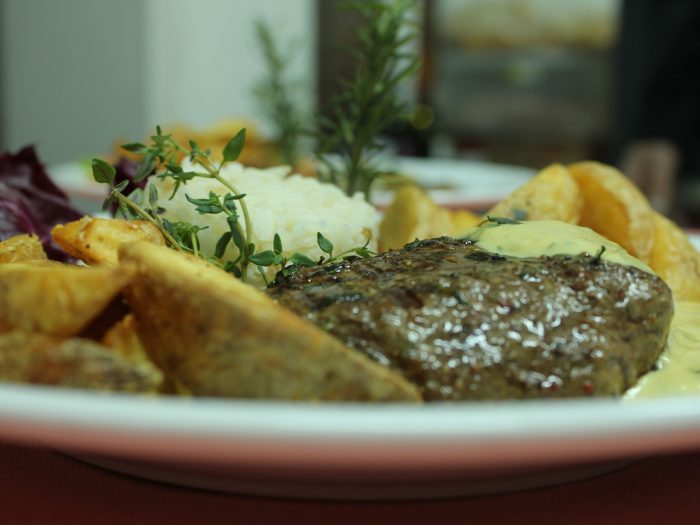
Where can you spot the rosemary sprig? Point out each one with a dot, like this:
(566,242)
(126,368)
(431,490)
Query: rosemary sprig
(274,94)
(368,103)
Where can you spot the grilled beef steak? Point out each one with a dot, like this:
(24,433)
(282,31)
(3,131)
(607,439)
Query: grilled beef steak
(462,323)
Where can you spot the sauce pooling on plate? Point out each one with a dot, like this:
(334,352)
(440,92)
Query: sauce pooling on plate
(679,366)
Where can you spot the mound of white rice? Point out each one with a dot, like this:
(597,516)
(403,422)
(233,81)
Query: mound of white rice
(293,206)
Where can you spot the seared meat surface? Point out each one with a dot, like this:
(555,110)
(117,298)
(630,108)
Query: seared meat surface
(462,323)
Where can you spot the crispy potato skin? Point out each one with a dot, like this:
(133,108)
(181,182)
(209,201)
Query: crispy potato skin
(53,298)
(217,336)
(97,240)
(20,248)
(615,208)
(551,195)
(73,362)
(675,259)
(413,215)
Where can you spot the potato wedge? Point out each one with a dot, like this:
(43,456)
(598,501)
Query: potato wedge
(97,240)
(615,208)
(123,338)
(413,215)
(21,248)
(217,336)
(54,298)
(78,363)
(675,259)
(552,194)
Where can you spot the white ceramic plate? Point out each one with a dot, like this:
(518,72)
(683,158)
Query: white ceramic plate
(348,450)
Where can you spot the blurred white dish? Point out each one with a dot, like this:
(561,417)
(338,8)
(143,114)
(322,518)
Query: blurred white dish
(463,183)
(460,183)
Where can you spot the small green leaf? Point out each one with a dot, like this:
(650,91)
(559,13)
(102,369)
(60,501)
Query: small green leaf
(221,245)
(107,203)
(234,147)
(236,236)
(502,220)
(230,202)
(325,245)
(277,244)
(152,196)
(266,258)
(121,186)
(136,196)
(174,168)
(171,230)
(145,167)
(302,260)
(134,147)
(206,206)
(231,267)
(103,172)
(363,252)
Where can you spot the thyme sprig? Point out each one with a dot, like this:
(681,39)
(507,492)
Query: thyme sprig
(368,102)
(160,159)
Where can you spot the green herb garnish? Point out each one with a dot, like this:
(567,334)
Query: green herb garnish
(159,159)
(598,256)
(274,94)
(368,103)
(499,220)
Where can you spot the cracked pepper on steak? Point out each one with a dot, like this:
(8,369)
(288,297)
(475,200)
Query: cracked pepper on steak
(463,323)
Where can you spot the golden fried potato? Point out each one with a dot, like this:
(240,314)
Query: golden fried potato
(413,215)
(124,339)
(21,248)
(615,207)
(97,241)
(551,195)
(675,259)
(78,363)
(217,336)
(54,298)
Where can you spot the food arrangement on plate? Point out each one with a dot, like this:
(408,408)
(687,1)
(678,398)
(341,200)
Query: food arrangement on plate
(229,281)
(218,279)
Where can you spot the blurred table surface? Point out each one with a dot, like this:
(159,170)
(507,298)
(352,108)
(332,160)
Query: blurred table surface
(39,485)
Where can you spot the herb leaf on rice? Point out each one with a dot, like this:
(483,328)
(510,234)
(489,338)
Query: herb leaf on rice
(207,215)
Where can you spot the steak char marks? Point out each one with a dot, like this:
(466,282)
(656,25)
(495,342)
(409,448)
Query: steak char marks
(462,323)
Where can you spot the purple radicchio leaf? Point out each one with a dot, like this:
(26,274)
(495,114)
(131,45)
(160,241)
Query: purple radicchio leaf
(30,202)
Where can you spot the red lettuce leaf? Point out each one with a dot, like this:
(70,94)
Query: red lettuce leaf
(29,200)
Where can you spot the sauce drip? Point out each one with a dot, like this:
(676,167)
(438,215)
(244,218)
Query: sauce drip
(679,366)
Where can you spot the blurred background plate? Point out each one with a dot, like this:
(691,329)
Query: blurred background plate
(469,184)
